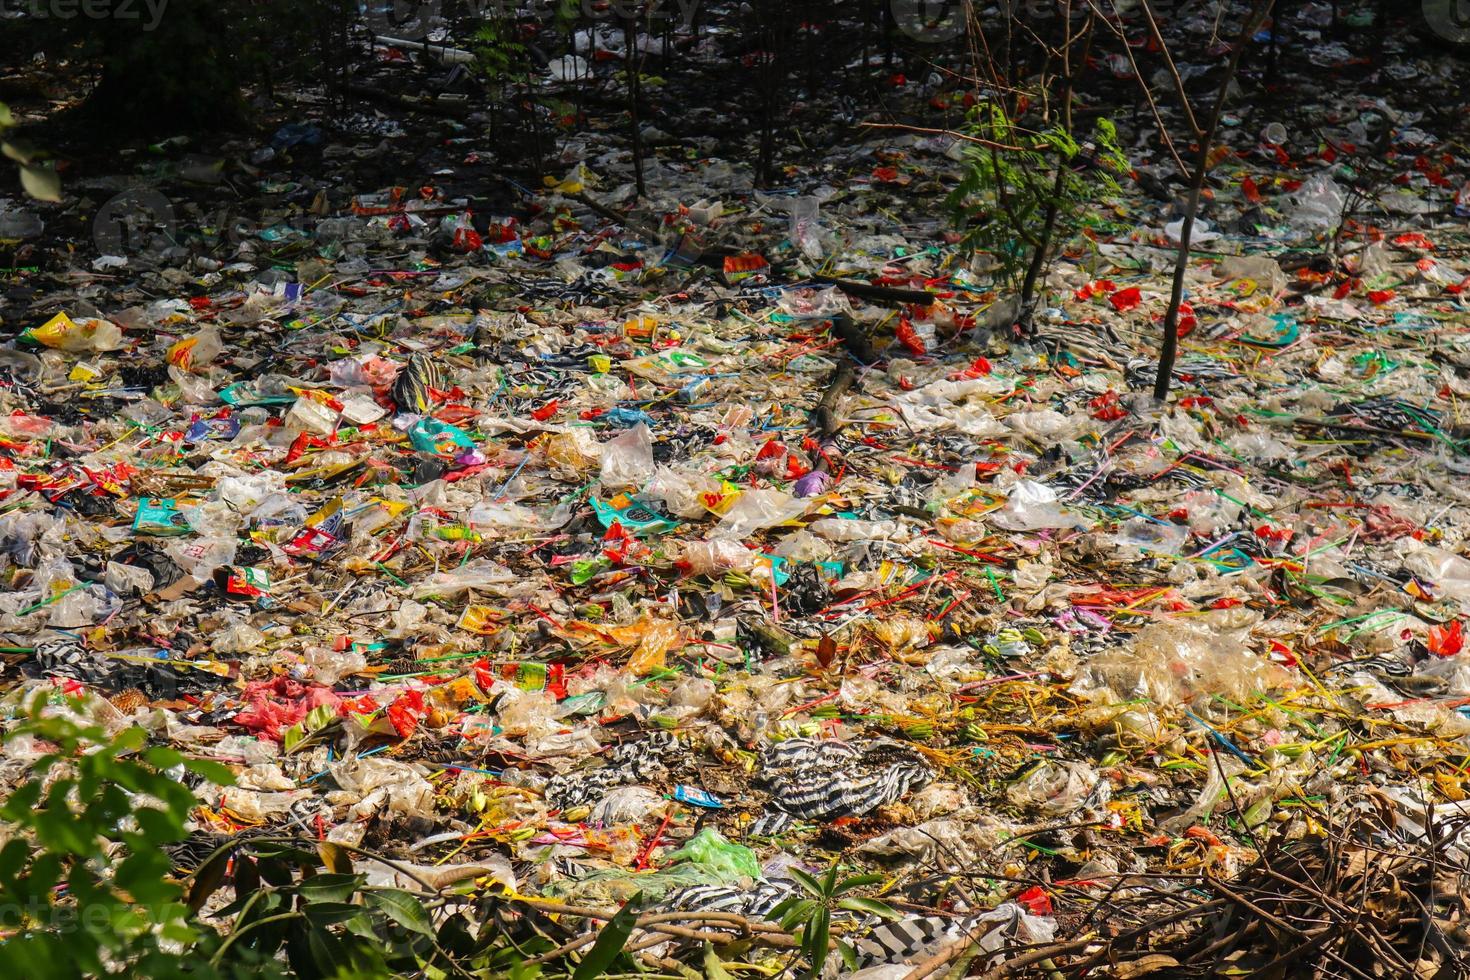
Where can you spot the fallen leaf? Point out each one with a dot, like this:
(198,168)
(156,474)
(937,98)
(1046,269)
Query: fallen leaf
(1144,965)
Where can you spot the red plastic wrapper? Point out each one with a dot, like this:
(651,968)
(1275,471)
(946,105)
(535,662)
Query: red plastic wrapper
(275,705)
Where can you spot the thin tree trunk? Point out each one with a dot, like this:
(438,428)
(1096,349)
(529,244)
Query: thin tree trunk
(1054,202)
(634,68)
(1038,256)
(1170,348)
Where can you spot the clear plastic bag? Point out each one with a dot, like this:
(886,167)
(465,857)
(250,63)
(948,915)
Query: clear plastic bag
(1142,535)
(1316,206)
(1032,507)
(756,510)
(714,557)
(479,574)
(806,229)
(627,460)
(1174,662)
(1060,789)
(841,529)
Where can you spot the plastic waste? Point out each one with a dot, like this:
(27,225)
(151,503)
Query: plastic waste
(1316,207)
(718,858)
(85,334)
(627,460)
(1033,506)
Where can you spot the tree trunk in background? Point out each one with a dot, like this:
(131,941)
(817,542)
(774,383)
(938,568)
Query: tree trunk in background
(1170,347)
(633,65)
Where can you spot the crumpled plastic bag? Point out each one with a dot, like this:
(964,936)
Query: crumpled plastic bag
(714,557)
(1034,506)
(86,334)
(1261,269)
(275,705)
(384,783)
(627,460)
(651,639)
(1060,789)
(1173,662)
(481,573)
(1316,206)
(681,491)
(1446,572)
(757,509)
(718,858)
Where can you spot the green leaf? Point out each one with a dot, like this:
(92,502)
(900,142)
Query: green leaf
(328,952)
(806,881)
(403,908)
(21,806)
(157,826)
(782,907)
(829,881)
(162,757)
(207,879)
(299,954)
(858,881)
(610,941)
(299,856)
(871,906)
(44,875)
(330,887)
(331,913)
(815,940)
(274,871)
(293,736)
(216,773)
(849,956)
(714,967)
(7,118)
(456,936)
(246,876)
(143,875)
(41,183)
(801,912)
(130,739)
(18,151)
(243,900)
(361,924)
(12,858)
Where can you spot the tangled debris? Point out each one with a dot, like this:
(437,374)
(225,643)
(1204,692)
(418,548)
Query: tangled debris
(723,573)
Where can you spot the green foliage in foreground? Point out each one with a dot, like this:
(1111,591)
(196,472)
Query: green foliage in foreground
(90,887)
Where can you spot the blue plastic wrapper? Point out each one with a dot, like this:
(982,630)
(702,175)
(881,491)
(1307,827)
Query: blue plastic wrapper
(695,796)
(202,430)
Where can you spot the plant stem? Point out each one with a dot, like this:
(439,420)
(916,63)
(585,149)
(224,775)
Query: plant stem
(224,948)
(1170,349)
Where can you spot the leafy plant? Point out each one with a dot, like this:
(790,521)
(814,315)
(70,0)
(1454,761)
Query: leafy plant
(1019,187)
(504,59)
(812,915)
(88,887)
(84,881)
(610,942)
(39,180)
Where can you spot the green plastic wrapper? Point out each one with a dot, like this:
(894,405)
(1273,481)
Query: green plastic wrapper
(719,858)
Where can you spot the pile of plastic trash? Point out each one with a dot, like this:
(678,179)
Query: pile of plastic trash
(665,556)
